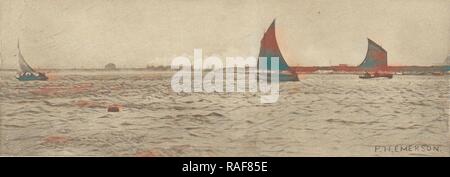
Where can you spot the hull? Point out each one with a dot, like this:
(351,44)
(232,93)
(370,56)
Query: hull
(32,78)
(438,74)
(389,76)
(283,78)
(288,77)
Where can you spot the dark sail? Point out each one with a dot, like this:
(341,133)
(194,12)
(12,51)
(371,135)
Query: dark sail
(447,64)
(376,58)
(269,48)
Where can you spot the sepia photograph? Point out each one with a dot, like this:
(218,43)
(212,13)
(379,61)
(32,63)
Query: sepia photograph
(224,78)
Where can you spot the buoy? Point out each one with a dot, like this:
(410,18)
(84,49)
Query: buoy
(113,108)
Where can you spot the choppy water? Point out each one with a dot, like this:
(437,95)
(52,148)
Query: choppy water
(322,115)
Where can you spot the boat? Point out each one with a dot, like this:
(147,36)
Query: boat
(438,73)
(269,49)
(368,75)
(26,72)
(374,64)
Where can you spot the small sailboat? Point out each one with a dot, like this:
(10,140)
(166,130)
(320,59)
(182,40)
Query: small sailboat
(375,63)
(26,72)
(269,48)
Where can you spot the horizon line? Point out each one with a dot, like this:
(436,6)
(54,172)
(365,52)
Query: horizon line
(165,66)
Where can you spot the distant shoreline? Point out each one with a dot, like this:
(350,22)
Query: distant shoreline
(92,69)
(341,69)
(411,73)
(167,68)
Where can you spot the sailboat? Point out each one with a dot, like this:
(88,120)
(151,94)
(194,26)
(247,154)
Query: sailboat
(375,62)
(26,72)
(269,48)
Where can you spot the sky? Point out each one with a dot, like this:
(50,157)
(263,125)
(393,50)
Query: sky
(136,33)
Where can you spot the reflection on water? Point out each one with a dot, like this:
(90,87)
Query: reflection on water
(322,115)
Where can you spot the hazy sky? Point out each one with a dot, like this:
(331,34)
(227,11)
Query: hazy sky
(134,33)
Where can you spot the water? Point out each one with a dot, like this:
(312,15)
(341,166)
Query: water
(322,115)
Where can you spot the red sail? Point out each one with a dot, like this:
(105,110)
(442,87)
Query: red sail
(269,48)
(376,58)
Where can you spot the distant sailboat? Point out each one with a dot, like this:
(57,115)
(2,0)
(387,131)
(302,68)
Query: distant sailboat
(375,62)
(269,48)
(27,73)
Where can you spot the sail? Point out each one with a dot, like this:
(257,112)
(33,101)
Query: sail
(269,48)
(1,56)
(24,67)
(1,59)
(376,57)
(447,64)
